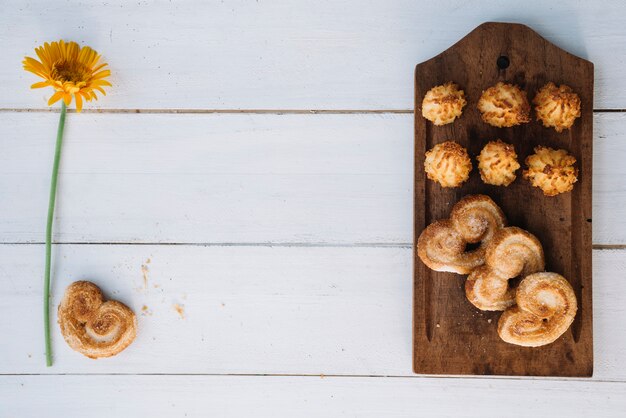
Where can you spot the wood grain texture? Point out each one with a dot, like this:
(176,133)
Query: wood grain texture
(238,54)
(265,396)
(451,335)
(330,179)
(244,309)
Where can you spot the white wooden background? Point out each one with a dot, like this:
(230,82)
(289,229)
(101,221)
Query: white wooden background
(253,166)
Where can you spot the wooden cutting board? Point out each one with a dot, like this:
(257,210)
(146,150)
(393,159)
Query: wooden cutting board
(451,336)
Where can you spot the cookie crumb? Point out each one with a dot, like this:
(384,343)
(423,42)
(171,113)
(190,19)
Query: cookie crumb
(144,272)
(180,309)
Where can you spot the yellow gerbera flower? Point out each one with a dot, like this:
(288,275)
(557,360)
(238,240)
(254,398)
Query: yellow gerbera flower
(70,70)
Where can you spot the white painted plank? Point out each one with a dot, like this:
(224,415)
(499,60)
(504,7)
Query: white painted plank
(258,396)
(224,178)
(282,54)
(268,310)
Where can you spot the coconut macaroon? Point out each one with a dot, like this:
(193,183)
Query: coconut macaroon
(448,164)
(557,107)
(442,104)
(497,163)
(504,105)
(551,170)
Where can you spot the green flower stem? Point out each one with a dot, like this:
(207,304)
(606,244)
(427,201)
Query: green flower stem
(53,194)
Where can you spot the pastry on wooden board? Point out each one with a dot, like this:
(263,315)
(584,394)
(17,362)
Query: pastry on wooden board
(504,105)
(497,163)
(545,309)
(542,307)
(93,327)
(443,104)
(551,170)
(511,253)
(557,106)
(451,336)
(474,219)
(448,164)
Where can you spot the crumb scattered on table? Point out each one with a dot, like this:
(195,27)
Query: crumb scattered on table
(144,272)
(180,309)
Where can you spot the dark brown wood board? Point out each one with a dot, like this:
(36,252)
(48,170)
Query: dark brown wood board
(450,335)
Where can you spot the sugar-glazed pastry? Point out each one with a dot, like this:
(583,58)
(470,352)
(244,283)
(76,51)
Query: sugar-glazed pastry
(497,163)
(546,307)
(443,104)
(504,105)
(93,327)
(557,107)
(551,170)
(448,164)
(512,252)
(474,219)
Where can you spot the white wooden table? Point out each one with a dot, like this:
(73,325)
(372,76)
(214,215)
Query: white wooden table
(253,165)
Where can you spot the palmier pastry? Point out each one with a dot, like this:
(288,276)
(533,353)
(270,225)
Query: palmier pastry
(557,107)
(497,163)
(504,105)
(546,307)
(93,327)
(511,253)
(441,246)
(448,164)
(551,170)
(442,104)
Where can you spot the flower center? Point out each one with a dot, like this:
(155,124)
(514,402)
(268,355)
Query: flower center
(70,71)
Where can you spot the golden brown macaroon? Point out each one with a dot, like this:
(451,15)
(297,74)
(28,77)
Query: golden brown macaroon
(442,104)
(497,163)
(551,170)
(448,164)
(557,107)
(504,105)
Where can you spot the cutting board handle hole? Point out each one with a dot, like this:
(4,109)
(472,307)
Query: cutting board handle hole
(503,62)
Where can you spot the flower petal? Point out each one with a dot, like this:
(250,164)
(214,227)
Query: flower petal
(79,102)
(101,83)
(55,98)
(40,85)
(101,74)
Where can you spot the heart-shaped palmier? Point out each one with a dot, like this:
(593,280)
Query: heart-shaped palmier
(513,252)
(93,327)
(474,219)
(546,307)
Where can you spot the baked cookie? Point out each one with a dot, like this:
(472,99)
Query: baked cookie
(504,105)
(551,170)
(448,164)
(93,327)
(497,163)
(443,104)
(545,308)
(557,107)
(512,252)
(442,244)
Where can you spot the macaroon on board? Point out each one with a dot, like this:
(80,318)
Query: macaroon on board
(450,335)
